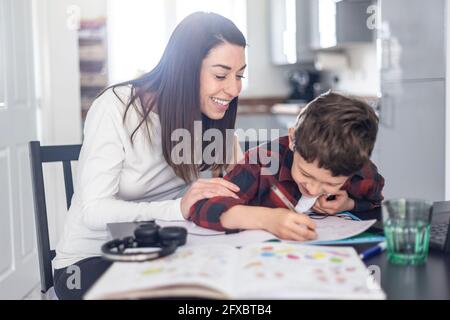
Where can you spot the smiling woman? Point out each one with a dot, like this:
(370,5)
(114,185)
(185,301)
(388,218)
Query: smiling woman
(125,170)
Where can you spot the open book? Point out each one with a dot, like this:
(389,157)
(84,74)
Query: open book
(258,271)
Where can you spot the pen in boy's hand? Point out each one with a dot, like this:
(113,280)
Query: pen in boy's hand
(286,201)
(282,197)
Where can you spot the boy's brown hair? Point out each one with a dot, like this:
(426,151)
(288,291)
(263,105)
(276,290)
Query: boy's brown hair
(337,131)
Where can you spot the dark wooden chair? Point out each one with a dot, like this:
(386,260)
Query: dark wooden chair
(39,155)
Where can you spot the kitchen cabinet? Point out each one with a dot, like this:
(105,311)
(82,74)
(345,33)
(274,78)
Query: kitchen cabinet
(290,36)
(338,24)
(300,27)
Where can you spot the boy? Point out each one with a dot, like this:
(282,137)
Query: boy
(327,153)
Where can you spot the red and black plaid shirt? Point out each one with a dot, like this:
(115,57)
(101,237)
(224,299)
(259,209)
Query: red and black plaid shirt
(255,188)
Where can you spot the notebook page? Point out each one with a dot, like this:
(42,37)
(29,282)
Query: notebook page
(292,271)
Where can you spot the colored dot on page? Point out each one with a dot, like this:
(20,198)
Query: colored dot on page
(267,254)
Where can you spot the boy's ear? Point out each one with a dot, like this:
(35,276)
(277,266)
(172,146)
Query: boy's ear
(291,134)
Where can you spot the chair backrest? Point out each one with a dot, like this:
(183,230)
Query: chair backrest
(39,155)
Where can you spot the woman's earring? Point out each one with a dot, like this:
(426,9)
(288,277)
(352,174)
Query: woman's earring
(292,145)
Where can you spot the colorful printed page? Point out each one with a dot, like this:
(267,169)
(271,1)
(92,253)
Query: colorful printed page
(292,271)
(201,271)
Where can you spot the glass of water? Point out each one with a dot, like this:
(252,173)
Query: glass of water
(406,225)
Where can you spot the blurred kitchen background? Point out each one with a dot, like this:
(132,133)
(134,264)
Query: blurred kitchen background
(390,53)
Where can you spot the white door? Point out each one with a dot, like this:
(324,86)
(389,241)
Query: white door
(18,256)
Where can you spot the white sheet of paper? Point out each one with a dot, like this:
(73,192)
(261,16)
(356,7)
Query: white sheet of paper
(328,229)
(335,228)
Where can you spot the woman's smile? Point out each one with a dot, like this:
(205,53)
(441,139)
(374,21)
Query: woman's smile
(221,104)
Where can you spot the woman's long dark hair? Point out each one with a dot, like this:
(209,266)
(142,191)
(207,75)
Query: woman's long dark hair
(174,85)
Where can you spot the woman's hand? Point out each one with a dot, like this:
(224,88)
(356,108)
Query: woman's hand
(205,189)
(342,202)
(289,225)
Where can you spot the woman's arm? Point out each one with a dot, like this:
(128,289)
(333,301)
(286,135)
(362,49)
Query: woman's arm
(100,167)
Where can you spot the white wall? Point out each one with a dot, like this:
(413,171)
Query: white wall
(58,89)
(58,78)
(362,76)
(91,9)
(264,78)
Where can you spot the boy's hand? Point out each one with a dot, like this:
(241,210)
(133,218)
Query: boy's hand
(288,225)
(342,202)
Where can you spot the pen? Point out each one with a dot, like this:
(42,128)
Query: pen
(282,197)
(285,200)
(373,251)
